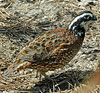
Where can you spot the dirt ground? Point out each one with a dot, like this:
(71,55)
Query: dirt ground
(29,18)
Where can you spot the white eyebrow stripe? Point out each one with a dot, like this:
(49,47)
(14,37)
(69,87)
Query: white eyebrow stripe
(78,17)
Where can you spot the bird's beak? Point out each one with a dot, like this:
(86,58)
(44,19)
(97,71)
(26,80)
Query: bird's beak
(94,18)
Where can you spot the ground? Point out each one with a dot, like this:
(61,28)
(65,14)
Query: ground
(29,18)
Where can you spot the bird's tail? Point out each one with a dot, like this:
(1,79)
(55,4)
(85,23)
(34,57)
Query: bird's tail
(10,69)
(16,67)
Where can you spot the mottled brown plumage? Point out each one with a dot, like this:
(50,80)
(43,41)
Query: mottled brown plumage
(53,49)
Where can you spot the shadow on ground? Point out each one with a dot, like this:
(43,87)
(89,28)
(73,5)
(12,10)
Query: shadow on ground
(59,82)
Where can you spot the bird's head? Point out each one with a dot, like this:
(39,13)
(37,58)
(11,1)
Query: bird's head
(84,19)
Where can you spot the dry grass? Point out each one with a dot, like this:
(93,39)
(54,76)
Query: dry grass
(25,24)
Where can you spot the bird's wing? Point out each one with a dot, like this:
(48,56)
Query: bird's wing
(48,46)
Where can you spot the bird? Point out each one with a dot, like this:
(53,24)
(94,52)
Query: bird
(54,49)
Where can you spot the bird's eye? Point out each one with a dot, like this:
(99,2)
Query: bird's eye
(87,17)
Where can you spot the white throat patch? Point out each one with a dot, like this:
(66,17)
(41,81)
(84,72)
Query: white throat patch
(86,25)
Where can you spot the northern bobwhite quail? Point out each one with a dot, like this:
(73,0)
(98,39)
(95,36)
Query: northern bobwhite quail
(54,49)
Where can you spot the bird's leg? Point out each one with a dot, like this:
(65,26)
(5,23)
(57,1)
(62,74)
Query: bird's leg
(40,74)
